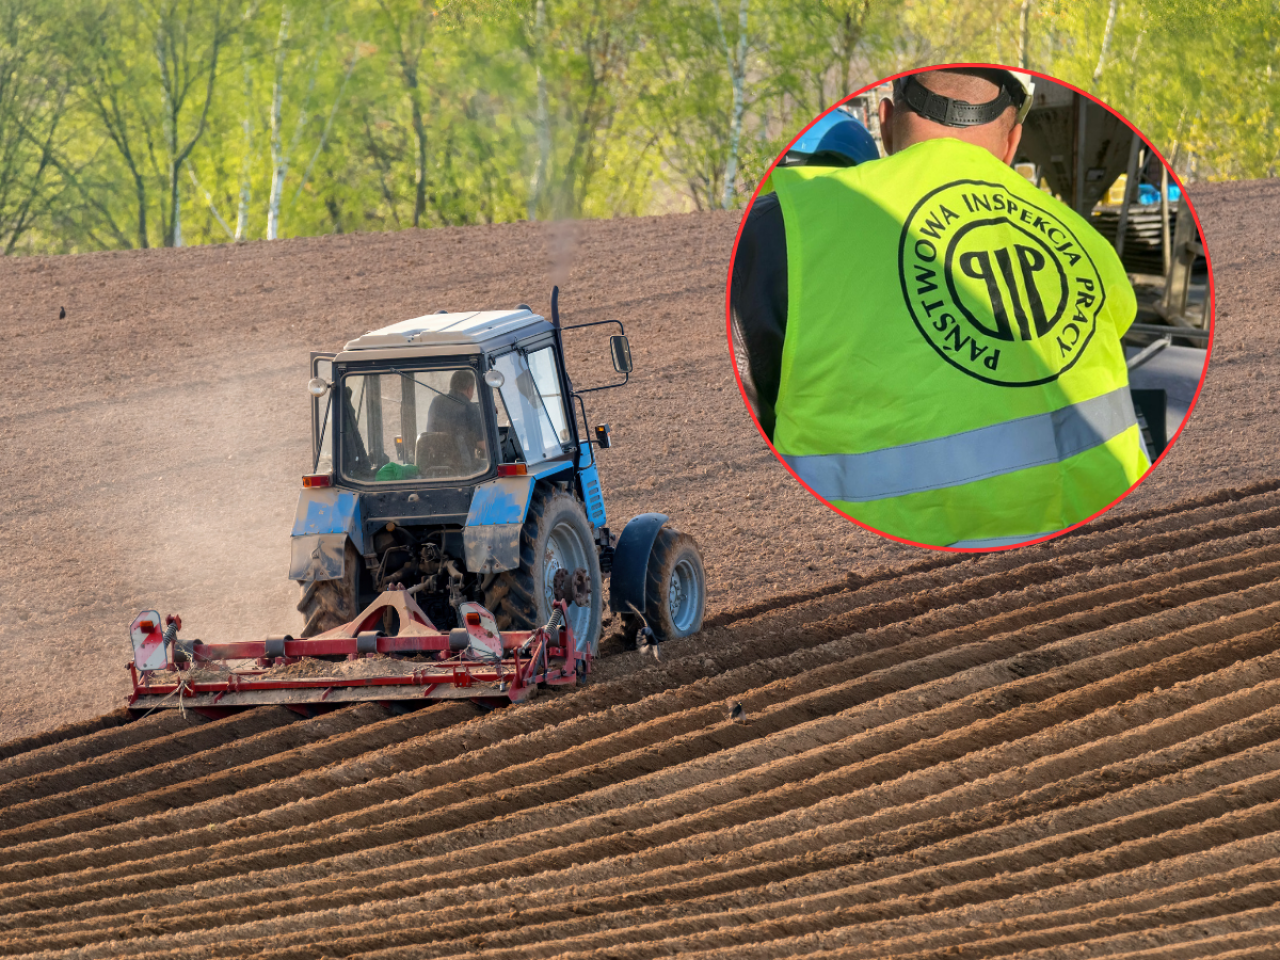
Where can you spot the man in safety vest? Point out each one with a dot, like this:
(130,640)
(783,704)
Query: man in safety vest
(951,370)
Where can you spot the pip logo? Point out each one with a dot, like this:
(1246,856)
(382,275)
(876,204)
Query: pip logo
(1012,290)
(1001,288)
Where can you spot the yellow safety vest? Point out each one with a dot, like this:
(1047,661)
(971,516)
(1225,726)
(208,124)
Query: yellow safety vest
(952,372)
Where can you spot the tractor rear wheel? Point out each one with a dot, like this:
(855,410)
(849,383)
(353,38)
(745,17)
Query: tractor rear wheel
(556,536)
(675,586)
(326,604)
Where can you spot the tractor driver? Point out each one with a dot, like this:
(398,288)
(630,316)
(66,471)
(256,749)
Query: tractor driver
(457,415)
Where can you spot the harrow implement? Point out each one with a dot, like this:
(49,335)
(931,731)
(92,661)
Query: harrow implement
(355,662)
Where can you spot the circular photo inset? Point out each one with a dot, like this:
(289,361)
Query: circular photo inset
(970,307)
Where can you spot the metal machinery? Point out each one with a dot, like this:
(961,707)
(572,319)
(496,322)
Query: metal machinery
(1079,149)
(451,538)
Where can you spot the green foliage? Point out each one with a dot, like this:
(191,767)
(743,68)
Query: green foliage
(132,123)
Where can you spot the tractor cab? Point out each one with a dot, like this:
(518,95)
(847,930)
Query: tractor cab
(444,399)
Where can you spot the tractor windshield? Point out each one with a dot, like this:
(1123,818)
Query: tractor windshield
(413,424)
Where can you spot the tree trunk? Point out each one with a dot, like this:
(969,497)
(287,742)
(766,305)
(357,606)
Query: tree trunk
(175,206)
(246,192)
(279,163)
(542,120)
(737,63)
(420,171)
(173,227)
(1024,33)
(851,37)
(170,133)
(140,191)
(1106,42)
(738,72)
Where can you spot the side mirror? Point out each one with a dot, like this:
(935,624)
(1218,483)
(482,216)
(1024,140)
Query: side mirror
(621,350)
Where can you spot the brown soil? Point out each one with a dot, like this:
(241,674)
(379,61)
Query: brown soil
(156,435)
(1060,751)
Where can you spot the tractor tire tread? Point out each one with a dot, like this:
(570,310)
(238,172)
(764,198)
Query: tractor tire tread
(667,551)
(512,595)
(326,604)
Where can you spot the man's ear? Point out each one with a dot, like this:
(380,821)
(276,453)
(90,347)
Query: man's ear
(1011,144)
(886,124)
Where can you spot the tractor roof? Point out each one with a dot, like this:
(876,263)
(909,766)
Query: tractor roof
(456,332)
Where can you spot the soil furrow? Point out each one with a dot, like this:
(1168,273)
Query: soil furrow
(171,741)
(1021,766)
(664,732)
(838,935)
(406,922)
(179,804)
(893,601)
(276,731)
(950,568)
(811,678)
(594,835)
(1054,751)
(102,736)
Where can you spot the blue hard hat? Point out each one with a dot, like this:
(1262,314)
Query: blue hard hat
(836,136)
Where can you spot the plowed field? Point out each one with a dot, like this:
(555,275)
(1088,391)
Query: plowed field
(1063,751)
(151,443)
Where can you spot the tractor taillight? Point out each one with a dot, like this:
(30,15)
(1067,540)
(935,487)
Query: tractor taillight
(146,625)
(513,470)
(318,480)
(473,619)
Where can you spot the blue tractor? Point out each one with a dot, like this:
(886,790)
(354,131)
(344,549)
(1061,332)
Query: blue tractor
(452,459)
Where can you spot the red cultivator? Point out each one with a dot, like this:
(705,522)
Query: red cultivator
(355,662)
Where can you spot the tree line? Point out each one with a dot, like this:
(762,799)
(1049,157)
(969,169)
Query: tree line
(139,123)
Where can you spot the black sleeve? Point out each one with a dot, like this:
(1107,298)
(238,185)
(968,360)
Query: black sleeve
(758,305)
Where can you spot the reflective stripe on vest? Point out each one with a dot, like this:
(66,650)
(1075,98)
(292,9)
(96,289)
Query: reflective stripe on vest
(965,457)
(1001,541)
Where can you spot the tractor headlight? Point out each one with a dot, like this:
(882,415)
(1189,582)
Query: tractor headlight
(318,386)
(494,378)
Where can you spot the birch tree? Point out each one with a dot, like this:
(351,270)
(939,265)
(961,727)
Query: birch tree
(1106,42)
(534,34)
(597,41)
(111,79)
(699,94)
(245,196)
(187,38)
(1024,34)
(409,25)
(281,153)
(736,60)
(279,158)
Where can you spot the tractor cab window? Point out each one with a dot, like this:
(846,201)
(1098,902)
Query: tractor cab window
(542,364)
(413,424)
(531,402)
(324,452)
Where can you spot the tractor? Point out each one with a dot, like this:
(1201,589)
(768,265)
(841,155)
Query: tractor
(453,513)
(447,453)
